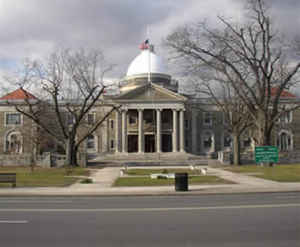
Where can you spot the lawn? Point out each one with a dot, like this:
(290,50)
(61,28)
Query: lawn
(147,181)
(279,173)
(44,177)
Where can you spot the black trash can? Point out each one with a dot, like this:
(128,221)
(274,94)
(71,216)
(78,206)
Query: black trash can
(181,182)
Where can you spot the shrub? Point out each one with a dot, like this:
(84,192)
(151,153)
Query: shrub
(165,171)
(86,181)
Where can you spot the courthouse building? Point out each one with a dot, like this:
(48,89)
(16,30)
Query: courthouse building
(155,120)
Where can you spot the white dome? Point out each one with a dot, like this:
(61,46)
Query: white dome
(140,65)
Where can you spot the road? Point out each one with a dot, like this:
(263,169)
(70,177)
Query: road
(270,219)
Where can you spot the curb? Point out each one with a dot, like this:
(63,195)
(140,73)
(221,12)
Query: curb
(205,191)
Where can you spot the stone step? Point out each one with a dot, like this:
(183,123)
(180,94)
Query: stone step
(164,156)
(148,159)
(107,163)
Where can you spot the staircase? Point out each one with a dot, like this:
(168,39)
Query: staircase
(148,159)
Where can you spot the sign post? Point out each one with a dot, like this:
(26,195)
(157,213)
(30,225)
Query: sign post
(266,154)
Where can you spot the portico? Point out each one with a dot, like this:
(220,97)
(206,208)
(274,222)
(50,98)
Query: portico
(148,123)
(150,134)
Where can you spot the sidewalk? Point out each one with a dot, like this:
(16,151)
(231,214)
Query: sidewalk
(104,178)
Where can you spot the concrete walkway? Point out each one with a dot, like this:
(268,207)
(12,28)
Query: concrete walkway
(104,178)
(242,179)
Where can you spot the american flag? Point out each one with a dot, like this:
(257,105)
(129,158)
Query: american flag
(145,45)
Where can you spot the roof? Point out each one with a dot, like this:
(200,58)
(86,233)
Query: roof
(284,93)
(19,94)
(150,93)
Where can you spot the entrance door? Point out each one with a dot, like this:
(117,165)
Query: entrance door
(166,143)
(132,143)
(149,143)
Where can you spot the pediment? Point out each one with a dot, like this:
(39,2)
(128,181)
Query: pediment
(151,92)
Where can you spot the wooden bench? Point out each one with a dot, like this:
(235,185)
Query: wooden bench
(8,178)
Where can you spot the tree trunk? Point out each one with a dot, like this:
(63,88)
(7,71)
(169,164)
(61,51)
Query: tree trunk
(260,124)
(34,156)
(236,149)
(267,137)
(264,132)
(71,152)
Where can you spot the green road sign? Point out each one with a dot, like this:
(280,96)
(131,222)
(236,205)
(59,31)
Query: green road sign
(265,154)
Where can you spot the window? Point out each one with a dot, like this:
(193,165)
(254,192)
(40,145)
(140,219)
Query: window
(149,116)
(284,141)
(111,123)
(227,141)
(247,142)
(208,140)
(207,118)
(112,144)
(91,142)
(13,143)
(91,118)
(13,118)
(132,117)
(132,120)
(286,117)
(186,124)
(166,116)
(186,143)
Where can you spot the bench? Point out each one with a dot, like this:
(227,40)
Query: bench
(8,178)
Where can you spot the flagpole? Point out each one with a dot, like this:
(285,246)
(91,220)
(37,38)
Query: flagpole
(149,56)
(149,65)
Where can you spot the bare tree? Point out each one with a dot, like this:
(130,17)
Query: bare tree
(219,91)
(70,85)
(236,116)
(252,57)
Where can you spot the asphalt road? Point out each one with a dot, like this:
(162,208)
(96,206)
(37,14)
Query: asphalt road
(271,219)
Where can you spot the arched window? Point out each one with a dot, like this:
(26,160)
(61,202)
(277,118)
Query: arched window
(285,141)
(14,143)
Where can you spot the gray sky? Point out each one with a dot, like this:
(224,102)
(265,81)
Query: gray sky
(34,28)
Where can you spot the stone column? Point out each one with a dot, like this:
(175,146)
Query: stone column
(181,130)
(175,130)
(194,131)
(158,124)
(141,144)
(117,134)
(124,132)
(105,136)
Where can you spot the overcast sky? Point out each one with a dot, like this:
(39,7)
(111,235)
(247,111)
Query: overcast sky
(33,28)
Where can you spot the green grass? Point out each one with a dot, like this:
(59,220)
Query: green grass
(44,177)
(146,172)
(147,181)
(279,173)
